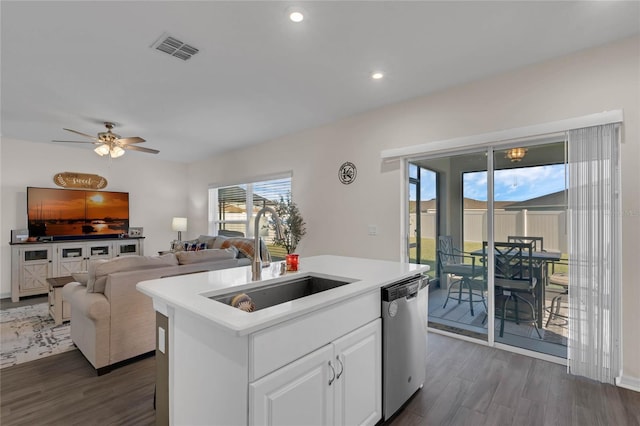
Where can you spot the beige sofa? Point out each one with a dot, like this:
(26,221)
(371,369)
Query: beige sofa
(110,320)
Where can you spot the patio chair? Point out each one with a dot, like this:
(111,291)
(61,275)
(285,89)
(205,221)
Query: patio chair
(538,245)
(460,267)
(558,283)
(536,241)
(515,278)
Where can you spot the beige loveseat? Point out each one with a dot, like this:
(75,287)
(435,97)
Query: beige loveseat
(110,320)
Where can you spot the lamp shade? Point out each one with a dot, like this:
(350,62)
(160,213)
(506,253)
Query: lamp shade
(179,224)
(102,150)
(116,152)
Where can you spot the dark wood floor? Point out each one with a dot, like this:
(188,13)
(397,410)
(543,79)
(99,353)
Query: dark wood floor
(64,390)
(470,384)
(6,303)
(467,384)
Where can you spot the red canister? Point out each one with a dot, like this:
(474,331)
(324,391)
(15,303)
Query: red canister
(292,262)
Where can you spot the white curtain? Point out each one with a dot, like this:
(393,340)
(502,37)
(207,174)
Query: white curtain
(595,267)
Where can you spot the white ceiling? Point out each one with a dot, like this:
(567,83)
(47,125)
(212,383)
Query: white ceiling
(259,76)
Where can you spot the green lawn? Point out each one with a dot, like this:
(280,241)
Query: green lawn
(428,251)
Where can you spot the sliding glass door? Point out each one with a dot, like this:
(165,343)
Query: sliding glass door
(455,210)
(423,214)
(530,220)
(527,198)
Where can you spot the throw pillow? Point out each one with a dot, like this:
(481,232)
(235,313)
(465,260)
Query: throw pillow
(81,277)
(245,247)
(208,255)
(177,245)
(184,245)
(208,239)
(217,243)
(195,246)
(91,280)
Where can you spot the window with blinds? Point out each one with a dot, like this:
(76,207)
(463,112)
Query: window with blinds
(232,208)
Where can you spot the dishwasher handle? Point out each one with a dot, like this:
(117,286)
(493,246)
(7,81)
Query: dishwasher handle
(407,289)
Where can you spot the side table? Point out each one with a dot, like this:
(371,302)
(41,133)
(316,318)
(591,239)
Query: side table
(59,310)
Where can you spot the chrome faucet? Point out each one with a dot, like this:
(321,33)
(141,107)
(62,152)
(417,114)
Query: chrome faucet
(256,266)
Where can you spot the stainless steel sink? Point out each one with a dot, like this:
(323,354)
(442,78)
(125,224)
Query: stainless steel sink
(285,291)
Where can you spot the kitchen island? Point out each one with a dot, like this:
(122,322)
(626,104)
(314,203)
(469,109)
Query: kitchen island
(314,359)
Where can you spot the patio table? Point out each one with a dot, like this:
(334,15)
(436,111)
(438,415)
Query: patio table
(544,257)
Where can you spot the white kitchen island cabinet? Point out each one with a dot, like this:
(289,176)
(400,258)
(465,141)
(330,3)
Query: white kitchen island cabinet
(340,384)
(299,393)
(312,360)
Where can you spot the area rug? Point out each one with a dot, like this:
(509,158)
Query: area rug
(28,333)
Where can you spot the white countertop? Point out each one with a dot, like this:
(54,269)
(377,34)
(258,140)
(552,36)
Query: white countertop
(191,292)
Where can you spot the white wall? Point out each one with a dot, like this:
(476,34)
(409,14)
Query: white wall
(156,189)
(337,216)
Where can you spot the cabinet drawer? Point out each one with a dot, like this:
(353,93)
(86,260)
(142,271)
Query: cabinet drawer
(279,345)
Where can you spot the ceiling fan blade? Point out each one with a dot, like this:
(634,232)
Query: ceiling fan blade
(80,133)
(141,149)
(134,139)
(94,143)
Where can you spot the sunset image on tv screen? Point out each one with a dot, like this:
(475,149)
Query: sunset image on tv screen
(58,212)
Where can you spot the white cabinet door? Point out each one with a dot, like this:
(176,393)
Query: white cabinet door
(297,394)
(127,248)
(99,250)
(358,391)
(71,258)
(35,267)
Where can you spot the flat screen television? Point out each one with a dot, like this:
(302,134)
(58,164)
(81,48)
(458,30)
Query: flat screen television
(67,213)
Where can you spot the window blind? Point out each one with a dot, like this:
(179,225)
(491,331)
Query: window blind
(233,207)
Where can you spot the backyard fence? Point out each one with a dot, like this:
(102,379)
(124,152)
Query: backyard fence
(551,225)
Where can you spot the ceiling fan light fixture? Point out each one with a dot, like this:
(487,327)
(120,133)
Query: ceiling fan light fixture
(102,150)
(111,144)
(116,152)
(515,154)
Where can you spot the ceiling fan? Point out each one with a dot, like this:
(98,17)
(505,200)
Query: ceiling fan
(111,144)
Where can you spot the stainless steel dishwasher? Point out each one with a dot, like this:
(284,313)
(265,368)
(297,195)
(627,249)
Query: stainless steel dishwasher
(404,341)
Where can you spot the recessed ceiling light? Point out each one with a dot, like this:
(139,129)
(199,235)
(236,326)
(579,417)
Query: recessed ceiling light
(296,16)
(377,75)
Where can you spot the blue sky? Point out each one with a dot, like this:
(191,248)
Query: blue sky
(518,184)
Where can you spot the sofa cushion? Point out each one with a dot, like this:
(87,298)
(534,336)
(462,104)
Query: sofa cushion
(217,242)
(81,277)
(91,280)
(100,269)
(207,255)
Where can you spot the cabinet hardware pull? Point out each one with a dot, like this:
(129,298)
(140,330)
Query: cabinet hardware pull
(333,371)
(341,367)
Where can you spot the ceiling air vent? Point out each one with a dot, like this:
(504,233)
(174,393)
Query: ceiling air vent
(174,47)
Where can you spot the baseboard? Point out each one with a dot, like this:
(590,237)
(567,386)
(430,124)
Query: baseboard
(628,382)
(108,368)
